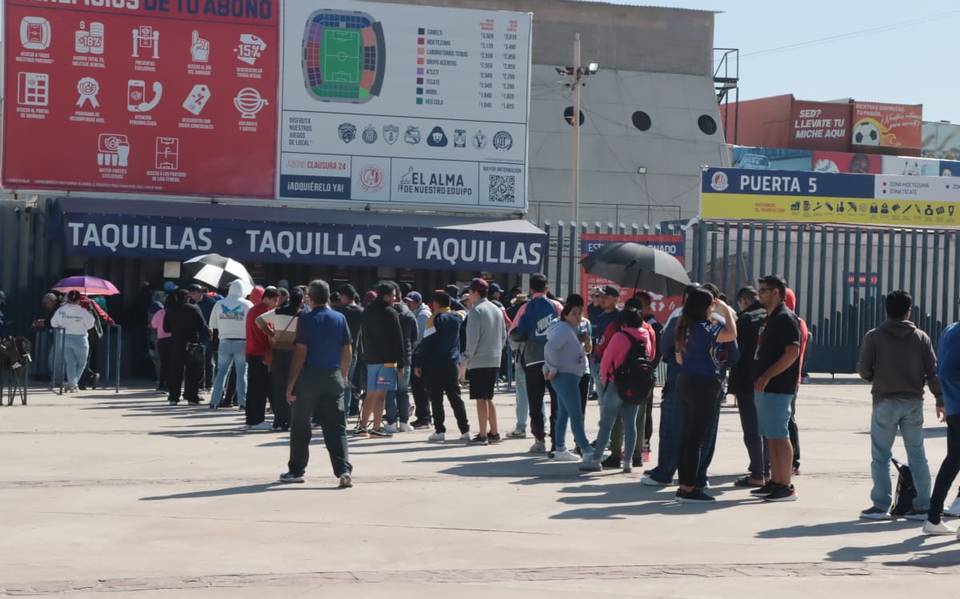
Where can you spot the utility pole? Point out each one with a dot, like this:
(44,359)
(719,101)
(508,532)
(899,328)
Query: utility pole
(575,167)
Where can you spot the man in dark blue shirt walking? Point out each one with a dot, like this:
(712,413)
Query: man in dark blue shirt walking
(318,376)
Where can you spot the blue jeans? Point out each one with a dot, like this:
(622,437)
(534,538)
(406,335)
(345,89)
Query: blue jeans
(611,406)
(399,398)
(346,400)
(75,351)
(905,415)
(594,385)
(523,407)
(671,432)
(567,386)
(231,351)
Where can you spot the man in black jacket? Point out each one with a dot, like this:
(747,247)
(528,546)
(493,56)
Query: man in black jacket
(383,349)
(186,325)
(398,400)
(741,384)
(353,312)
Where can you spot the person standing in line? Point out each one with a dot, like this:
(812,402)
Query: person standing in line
(228,321)
(186,325)
(650,319)
(351,310)
(522,406)
(280,326)
(259,388)
(315,383)
(398,400)
(384,349)
(897,359)
(608,313)
(948,373)
(206,302)
(776,374)
(75,321)
(530,328)
(741,385)
(436,360)
(421,399)
(791,302)
(593,312)
(698,333)
(163,343)
(565,363)
(612,406)
(486,337)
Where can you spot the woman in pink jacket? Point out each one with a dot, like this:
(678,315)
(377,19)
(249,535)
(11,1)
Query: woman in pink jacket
(631,329)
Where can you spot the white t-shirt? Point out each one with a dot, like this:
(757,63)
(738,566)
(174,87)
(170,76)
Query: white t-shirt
(73,319)
(229,317)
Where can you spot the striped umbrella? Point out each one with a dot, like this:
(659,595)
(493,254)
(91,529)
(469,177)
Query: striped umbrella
(216,271)
(86,285)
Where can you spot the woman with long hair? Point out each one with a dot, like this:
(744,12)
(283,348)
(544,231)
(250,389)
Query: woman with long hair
(280,326)
(565,363)
(704,323)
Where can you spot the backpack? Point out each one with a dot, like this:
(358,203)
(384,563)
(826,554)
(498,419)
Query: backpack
(635,377)
(906,490)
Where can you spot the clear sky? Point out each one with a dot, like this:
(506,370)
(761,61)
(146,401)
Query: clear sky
(900,52)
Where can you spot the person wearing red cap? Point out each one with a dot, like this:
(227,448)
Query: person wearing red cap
(486,336)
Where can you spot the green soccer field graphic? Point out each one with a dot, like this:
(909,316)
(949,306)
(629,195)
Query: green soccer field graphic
(343,56)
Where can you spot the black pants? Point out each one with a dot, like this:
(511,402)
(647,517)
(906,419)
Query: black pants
(756,448)
(279,376)
(537,386)
(421,398)
(647,426)
(163,352)
(440,379)
(318,392)
(258,390)
(210,362)
(794,432)
(948,469)
(698,394)
(183,372)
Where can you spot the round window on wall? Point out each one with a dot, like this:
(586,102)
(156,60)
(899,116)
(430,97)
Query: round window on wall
(641,120)
(707,124)
(568,116)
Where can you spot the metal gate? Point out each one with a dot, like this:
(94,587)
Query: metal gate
(840,275)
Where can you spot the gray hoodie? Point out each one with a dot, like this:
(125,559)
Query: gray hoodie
(486,335)
(564,351)
(898,359)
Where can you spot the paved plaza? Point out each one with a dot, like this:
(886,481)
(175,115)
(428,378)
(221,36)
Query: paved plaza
(121,495)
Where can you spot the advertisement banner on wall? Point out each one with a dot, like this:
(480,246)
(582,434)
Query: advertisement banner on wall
(405,105)
(847,162)
(154,96)
(950,168)
(941,140)
(911,166)
(829,198)
(771,158)
(820,125)
(887,125)
(671,244)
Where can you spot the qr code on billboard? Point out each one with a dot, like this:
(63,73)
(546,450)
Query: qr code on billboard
(503,189)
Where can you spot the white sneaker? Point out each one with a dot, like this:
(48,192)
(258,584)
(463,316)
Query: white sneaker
(954,509)
(405,428)
(346,481)
(586,455)
(263,426)
(929,528)
(565,456)
(465,436)
(649,481)
(437,437)
(538,447)
(390,428)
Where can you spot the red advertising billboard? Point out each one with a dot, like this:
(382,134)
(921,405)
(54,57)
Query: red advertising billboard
(819,125)
(155,96)
(672,244)
(887,125)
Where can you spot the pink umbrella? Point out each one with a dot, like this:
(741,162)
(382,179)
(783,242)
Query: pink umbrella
(87,285)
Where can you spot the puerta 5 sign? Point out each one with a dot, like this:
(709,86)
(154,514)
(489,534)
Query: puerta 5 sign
(162,96)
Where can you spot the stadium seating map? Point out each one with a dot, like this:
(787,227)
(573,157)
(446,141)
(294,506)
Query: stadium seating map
(343,56)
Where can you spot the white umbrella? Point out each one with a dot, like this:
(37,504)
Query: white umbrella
(217,271)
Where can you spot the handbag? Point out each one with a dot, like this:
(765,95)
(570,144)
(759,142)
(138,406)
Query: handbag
(284,342)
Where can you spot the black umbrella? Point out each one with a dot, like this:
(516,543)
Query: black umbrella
(638,266)
(216,271)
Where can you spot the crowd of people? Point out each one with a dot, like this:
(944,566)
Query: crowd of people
(318,357)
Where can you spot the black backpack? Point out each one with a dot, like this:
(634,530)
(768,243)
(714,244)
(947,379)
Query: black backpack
(906,490)
(635,377)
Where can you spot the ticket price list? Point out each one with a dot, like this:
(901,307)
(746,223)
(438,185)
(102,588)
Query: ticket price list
(498,65)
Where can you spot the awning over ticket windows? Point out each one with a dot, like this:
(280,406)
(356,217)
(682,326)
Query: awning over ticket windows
(178,230)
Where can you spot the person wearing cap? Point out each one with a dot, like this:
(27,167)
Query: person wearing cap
(75,321)
(608,314)
(454,292)
(351,310)
(186,325)
(486,337)
(398,400)
(421,398)
(384,352)
(259,386)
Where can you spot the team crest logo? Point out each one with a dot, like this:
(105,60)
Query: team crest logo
(437,138)
(459,138)
(370,134)
(391,133)
(371,178)
(479,140)
(412,135)
(502,140)
(348,132)
(719,181)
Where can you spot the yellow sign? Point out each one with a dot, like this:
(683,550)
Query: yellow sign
(854,211)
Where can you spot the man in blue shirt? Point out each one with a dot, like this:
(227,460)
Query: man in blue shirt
(318,376)
(948,371)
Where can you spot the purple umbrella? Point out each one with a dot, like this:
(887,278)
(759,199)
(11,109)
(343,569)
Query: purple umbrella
(87,285)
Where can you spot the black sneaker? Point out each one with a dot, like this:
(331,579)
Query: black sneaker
(695,496)
(613,461)
(594,396)
(478,440)
(420,423)
(765,490)
(290,477)
(782,493)
(357,430)
(379,432)
(494,438)
(637,461)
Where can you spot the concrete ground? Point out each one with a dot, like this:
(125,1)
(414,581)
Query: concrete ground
(121,493)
